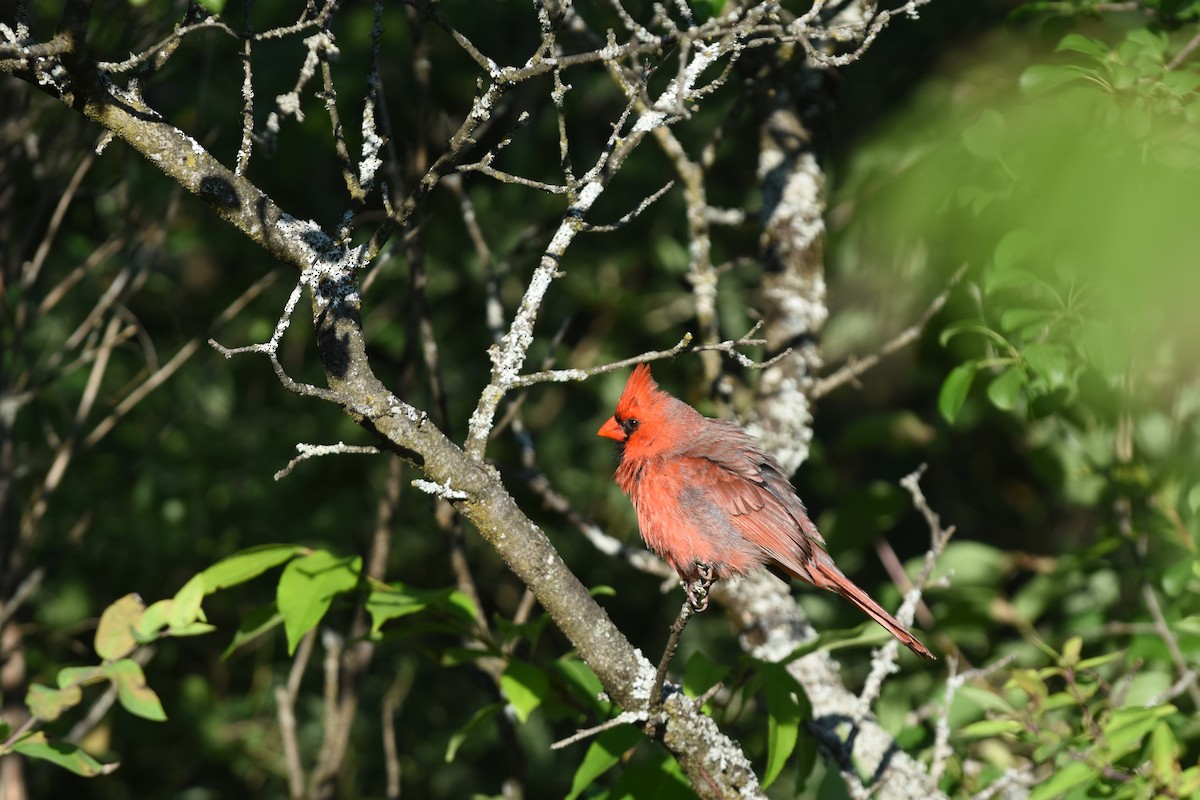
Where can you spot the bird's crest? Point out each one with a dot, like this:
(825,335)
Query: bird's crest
(640,392)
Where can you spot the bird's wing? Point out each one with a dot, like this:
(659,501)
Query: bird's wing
(749,486)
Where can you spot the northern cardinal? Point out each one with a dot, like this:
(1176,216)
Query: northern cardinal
(712,503)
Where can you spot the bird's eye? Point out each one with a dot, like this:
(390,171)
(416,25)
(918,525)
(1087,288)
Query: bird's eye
(628,425)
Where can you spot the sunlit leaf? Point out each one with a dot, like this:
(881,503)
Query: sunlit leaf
(525,686)
(115,634)
(48,704)
(132,692)
(247,565)
(67,756)
(307,588)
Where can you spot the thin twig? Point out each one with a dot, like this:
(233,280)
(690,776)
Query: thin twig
(854,368)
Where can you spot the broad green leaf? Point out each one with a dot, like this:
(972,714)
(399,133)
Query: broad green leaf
(132,691)
(955,389)
(255,624)
(1164,753)
(215,6)
(785,698)
(1125,730)
(307,588)
(153,620)
(525,686)
(247,565)
(80,676)
(462,734)
(1078,43)
(1047,360)
(115,633)
(1015,319)
(1139,39)
(1004,390)
(1178,576)
(61,754)
(398,600)
(603,754)
(187,603)
(1042,78)
(995,280)
(701,674)
(660,779)
(582,680)
(48,704)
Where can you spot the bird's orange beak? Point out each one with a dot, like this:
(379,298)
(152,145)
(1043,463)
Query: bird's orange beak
(611,430)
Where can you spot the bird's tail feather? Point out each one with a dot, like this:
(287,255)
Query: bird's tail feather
(828,576)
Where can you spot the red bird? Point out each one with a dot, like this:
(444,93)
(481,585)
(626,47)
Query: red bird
(712,503)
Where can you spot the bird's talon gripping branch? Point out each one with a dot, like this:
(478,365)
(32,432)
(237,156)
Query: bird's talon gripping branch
(697,590)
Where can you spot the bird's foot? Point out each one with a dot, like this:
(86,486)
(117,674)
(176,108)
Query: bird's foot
(698,588)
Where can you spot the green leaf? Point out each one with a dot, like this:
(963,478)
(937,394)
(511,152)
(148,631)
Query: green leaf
(962,326)
(186,609)
(61,754)
(1017,318)
(463,733)
(603,754)
(247,565)
(985,137)
(1178,576)
(701,674)
(115,633)
(1071,651)
(987,728)
(48,704)
(80,676)
(786,706)
(307,588)
(582,680)
(525,686)
(398,600)
(255,624)
(1072,775)
(1042,78)
(1164,753)
(153,620)
(1128,726)
(132,691)
(193,629)
(1047,360)
(955,389)
(1077,43)
(1004,390)
(660,778)
(1099,661)
(215,6)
